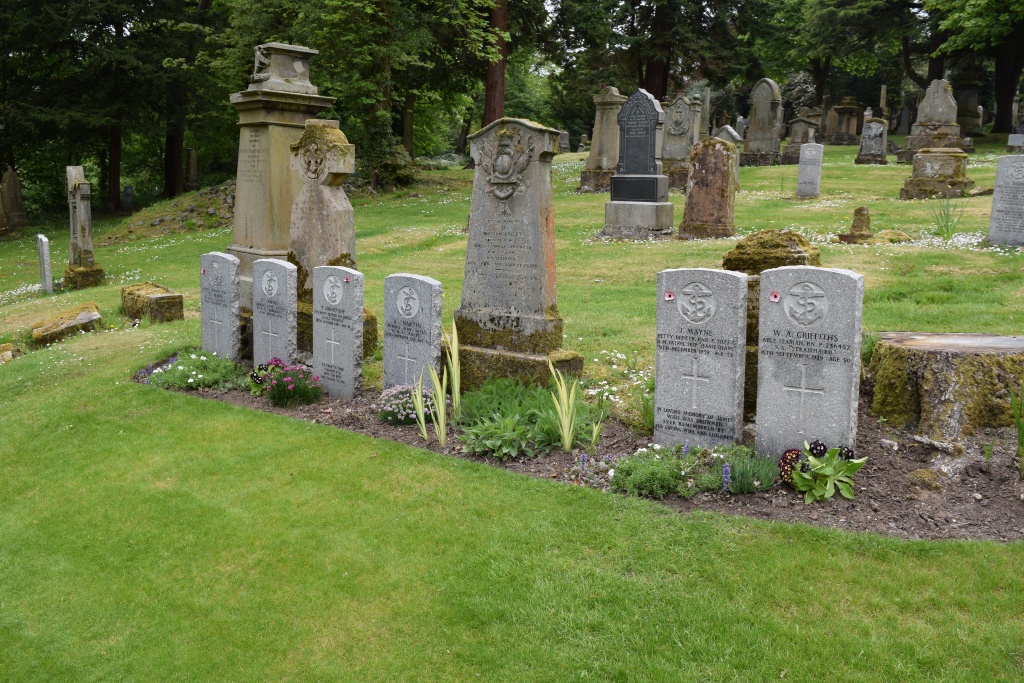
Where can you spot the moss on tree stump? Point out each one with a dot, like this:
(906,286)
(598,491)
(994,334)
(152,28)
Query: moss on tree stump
(947,386)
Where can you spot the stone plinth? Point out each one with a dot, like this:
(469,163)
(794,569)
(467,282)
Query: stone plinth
(156,303)
(946,385)
(82,318)
(761,140)
(846,123)
(873,142)
(604,149)
(711,196)
(938,173)
(272,115)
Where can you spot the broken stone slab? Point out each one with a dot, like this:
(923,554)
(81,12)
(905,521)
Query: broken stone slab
(83,318)
(154,302)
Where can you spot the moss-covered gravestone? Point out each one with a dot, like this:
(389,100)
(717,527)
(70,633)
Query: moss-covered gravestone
(154,302)
(82,270)
(508,320)
(83,318)
(938,172)
(752,255)
(711,195)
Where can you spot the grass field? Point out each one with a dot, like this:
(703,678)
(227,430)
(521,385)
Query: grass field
(148,535)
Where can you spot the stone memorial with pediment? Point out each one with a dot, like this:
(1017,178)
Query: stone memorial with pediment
(604,148)
(845,132)
(680,133)
(639,205)
(220,306)
(809,357)
(802,130)
(874,142)
(338,330)
(82,271)
(274,324)
(936,125)
(412,329)
(699,358)
(508,320)
(1006,222)
(808,179)
(761,141)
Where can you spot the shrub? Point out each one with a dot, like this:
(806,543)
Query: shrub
(648,473)
(395,405)
(292,385)
(498,436)
(752,472)
(197,369)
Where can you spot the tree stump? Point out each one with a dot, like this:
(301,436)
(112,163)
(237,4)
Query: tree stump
(947,385)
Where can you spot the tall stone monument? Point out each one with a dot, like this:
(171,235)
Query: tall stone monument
(604,148)
(809,365)
(936,124)
(508,321)
(680,133)
(802,130)
(845,132)
(808,181)
(761,142)
(13,207)
(338,330)
(82,271)
(1006,223)
(45,268)
(938,173)
(711,195)
(639,205)
(219,304)
(874,142)
(272,115)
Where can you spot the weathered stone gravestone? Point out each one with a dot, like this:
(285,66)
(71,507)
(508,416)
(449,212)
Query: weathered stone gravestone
(845,132)
(273,311)
(711,195)
(508,321)
(729,134)
(563,141)
(681,131)
(191,169)
(412,329)
(128,198)
(802,130)
(13,208)
(829,125)
(220,305)
(699,360)
(809,358)
(761,141)
(968,110)
(82,271)
(938,173)
(1006,223)
(1015,143)
(604,149)
(639,205)
(860,231)
(936,124)
(272,114)
(45,272)
(873,142)
(338,330)
(584,143)
(808,179)
(705,114)
(152,301)
(741,126)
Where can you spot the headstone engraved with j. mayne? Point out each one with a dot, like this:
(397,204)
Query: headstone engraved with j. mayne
(412,329)
(219,304)
(761,142)
(699,360)
(808,179)
(873,142)
(272,113)
(1006,223)
(508,321)
(639,206)
(45,269)
(680,133)
(604,149)
(338,329)
(273,311)
(808,371)
(82,270)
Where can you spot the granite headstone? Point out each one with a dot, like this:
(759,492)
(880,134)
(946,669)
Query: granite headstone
(1006,223)
(338,330)
(681,131)
(219,304)
(1015,143)
(563,141)
(808,179)
(45,268)
(873,142)
(128,200)
(412,329)
(274,322)
(761,141)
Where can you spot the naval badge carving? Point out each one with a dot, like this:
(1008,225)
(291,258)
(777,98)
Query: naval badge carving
(504,161)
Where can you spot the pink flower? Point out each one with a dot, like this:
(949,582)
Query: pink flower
(775,296)
(316,378)
(290,387)
(273,381)
(286,379)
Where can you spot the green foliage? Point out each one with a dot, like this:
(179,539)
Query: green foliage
(292,385)
(564,398)
(651,474)
(751,472)
(498,436)
(196,369)
(820,478)
(867,347)
(946,215)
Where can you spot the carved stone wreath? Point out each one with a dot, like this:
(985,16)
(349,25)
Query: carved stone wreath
(503,161)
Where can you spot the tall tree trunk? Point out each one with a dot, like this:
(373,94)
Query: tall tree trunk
(407,135)
(174,171)
(494,91)
(655,80)
(820,69)
(1009,65)
(114,172)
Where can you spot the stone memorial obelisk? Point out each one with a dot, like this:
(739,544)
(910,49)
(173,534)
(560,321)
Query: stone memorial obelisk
(82,271)
(604,148)
(639,205)
(936,125)
(508,321)
(272,115)
(761,141)
(13,207)
(1006,223)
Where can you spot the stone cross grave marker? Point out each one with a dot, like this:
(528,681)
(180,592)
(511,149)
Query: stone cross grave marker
(338,329)
(45,271)
(80,212)
(274,322)
(220,306)
(808,183)
(808,368)
(699,360)
(412,328)
(1006,223)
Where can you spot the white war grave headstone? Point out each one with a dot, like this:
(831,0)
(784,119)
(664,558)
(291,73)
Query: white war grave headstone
(412,328)
(219,304)
(338,330)
(1006,222)
(274,322)
(808,179)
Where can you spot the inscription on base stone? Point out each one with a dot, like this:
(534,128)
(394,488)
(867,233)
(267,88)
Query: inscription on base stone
(699,361)
(809,357)
(1006,224)
(412,328)
(274,318)
(220,304)
(338,329)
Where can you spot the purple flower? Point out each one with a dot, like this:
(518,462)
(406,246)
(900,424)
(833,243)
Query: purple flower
(726,477)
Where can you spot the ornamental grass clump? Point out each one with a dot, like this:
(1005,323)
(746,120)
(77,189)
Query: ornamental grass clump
(292,385)
(751,473)
(197,369)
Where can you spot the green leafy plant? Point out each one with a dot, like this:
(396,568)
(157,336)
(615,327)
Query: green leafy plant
(564,398)
(292,385)
(439,415)
(419,406)
(986,450)
(197,369)
(820,478)
(946,214)
(455,373)
(752,472)
(498,436)
(648,473)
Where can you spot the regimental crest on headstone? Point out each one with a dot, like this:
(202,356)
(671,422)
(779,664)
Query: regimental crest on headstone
(639,149)
(219,304)
(677,116)
(504,159)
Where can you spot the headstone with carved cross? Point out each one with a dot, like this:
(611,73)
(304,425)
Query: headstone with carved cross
(219,304)
(808,368)
(82,270)
(322,224)
(412,328)
(273,311)
(699,358)
(1006,223)
(338,329)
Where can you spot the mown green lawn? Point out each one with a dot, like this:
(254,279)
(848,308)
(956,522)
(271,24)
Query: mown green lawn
(147,535)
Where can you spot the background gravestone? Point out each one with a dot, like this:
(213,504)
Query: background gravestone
(13,208)
(802,130)
(873,142)
(699,360)
(412,328)
(1006,222)
(338,330)
(45,272)
(82,271)
(273,311)
(563,141)
(845,132)
(808,182)
(936,124)
(191,169)
(680,132)
(937,173)
(1015,143)
(219,304)
(809,357)
(639,203)
(508,320)
(711,196)
(761,141)
(128,200)
(604,148)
